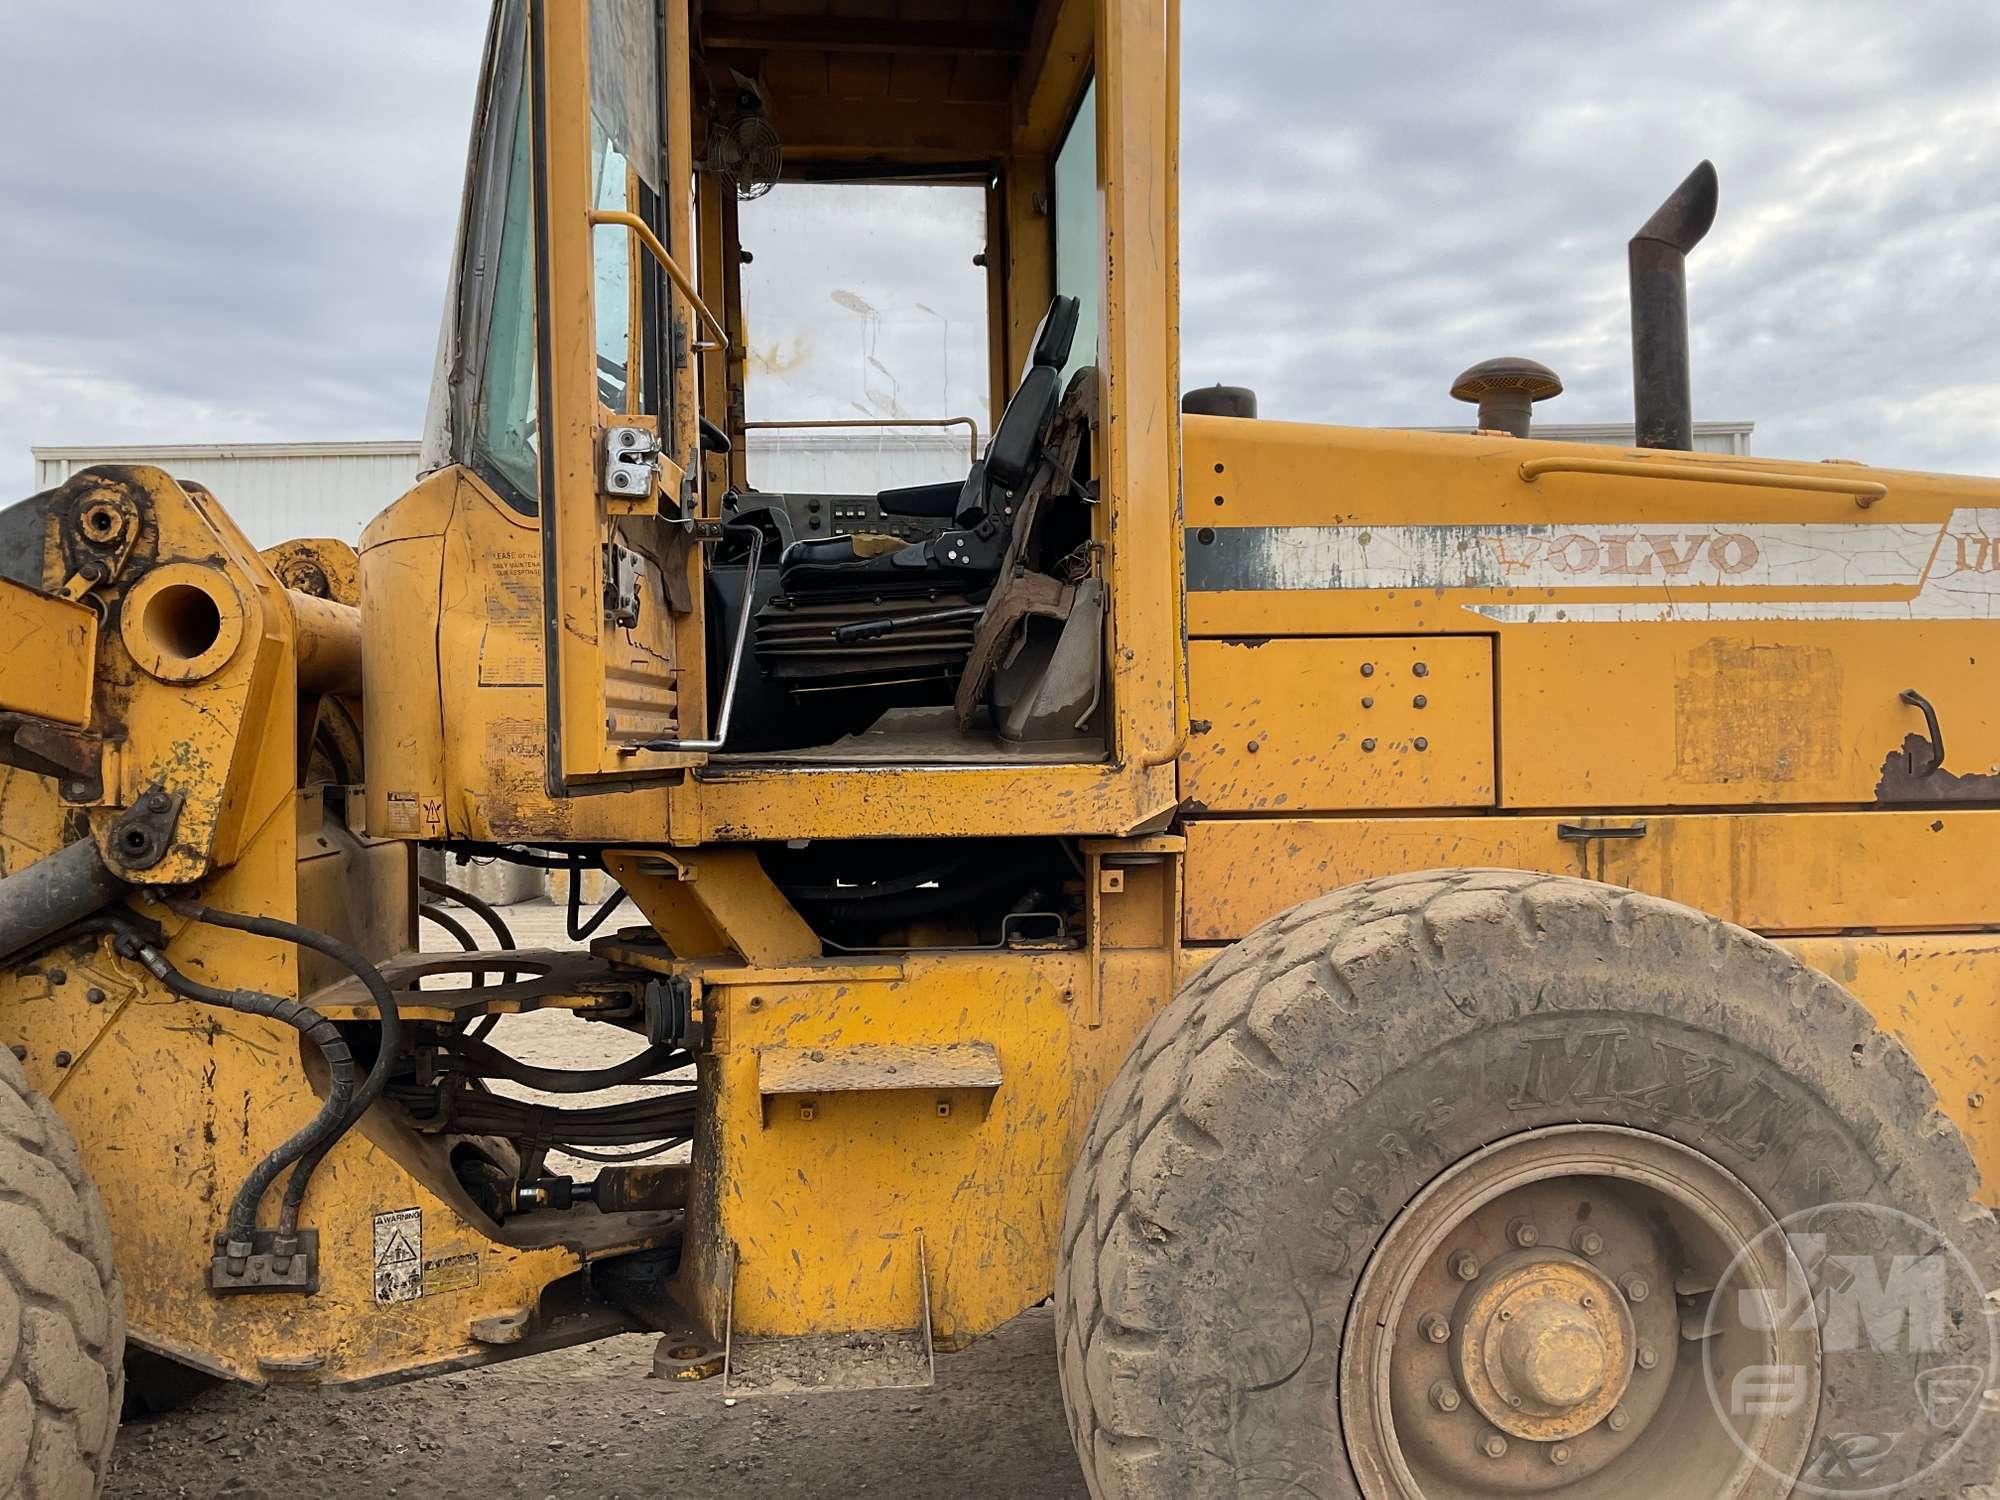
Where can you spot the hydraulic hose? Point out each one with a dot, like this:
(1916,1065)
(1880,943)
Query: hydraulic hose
(388,1045)
(501,932)
(578,928)
(315,1136)
(491,1062)
(433,913)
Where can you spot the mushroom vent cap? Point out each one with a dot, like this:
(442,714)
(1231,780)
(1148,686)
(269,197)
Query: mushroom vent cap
(1509,373)
(1505,389)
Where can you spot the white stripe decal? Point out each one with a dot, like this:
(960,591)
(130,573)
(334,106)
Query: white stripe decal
(1950,571)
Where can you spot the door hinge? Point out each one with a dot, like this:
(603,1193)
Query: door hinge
(623,572)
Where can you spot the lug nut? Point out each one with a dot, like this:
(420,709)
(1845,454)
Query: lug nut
(1523,1234)
(1635,1289)
(1647,1358)
(1586,1242)
(1619,1420)
(1559,1454)
(1464,1267)
(1434,1328)
(1493,1445)
(1444,1396)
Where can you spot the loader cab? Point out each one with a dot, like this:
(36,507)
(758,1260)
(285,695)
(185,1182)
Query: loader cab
(695,233)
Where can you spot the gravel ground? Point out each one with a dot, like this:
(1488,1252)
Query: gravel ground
(592,1421)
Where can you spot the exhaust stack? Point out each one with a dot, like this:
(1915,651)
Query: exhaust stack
(1663,403)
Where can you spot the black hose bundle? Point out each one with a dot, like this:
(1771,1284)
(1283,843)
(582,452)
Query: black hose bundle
(669,1119)
(502,933)
(485,1061)
(315,1137)
(387,1047)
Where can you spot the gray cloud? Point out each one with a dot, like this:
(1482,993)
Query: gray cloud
(1391,193)
(232,222)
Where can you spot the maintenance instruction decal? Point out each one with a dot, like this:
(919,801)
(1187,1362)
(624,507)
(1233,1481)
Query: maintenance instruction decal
(399,1256)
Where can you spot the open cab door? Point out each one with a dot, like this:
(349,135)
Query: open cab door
(621,328)
(995,648)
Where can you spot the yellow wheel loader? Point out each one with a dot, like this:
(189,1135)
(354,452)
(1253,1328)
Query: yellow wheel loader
(1465,964)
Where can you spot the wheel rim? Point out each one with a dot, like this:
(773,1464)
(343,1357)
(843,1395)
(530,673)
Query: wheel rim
(1538,1319)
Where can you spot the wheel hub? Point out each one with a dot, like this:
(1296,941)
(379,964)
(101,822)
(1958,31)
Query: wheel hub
(1545,1345)
(1537,1319)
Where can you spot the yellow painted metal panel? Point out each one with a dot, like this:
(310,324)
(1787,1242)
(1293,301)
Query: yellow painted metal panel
(1775,872)
(1680,713)
(1328,724)
(817,1203)
(1659,640)
(1940,996)
(48,654)
(457,728)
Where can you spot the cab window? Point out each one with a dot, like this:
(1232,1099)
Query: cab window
(865,305)
(1079,229)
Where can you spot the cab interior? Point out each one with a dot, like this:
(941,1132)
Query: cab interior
(898,219)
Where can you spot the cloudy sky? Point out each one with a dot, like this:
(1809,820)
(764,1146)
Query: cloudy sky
(230,222)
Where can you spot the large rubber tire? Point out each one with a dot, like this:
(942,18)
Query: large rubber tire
(62,1310)
(1309,1081)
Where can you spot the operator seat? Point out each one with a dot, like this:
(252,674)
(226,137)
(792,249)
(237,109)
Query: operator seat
(871,611)
(980,503)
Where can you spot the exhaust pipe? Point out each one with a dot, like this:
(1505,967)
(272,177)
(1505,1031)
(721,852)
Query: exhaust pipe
(1663,403)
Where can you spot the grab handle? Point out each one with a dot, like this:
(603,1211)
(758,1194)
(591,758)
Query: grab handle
(1865,491)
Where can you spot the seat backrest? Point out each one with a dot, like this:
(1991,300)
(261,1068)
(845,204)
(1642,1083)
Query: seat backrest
(1017,438)
(1055,335)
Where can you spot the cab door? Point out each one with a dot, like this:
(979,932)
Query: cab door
(620,332)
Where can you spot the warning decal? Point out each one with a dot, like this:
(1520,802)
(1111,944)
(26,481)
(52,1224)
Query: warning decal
(402,813)
(451,1273)
(399,1255)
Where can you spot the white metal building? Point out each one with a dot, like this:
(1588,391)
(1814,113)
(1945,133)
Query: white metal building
(274,491)
(1709,437)
(277,491)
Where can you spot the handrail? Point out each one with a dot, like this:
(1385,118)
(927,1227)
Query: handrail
(971,427)
(1865,491)
(675,274)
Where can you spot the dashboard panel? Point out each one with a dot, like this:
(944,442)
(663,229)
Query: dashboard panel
(850,515)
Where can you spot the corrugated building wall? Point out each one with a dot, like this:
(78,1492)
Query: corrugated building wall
(274,491)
